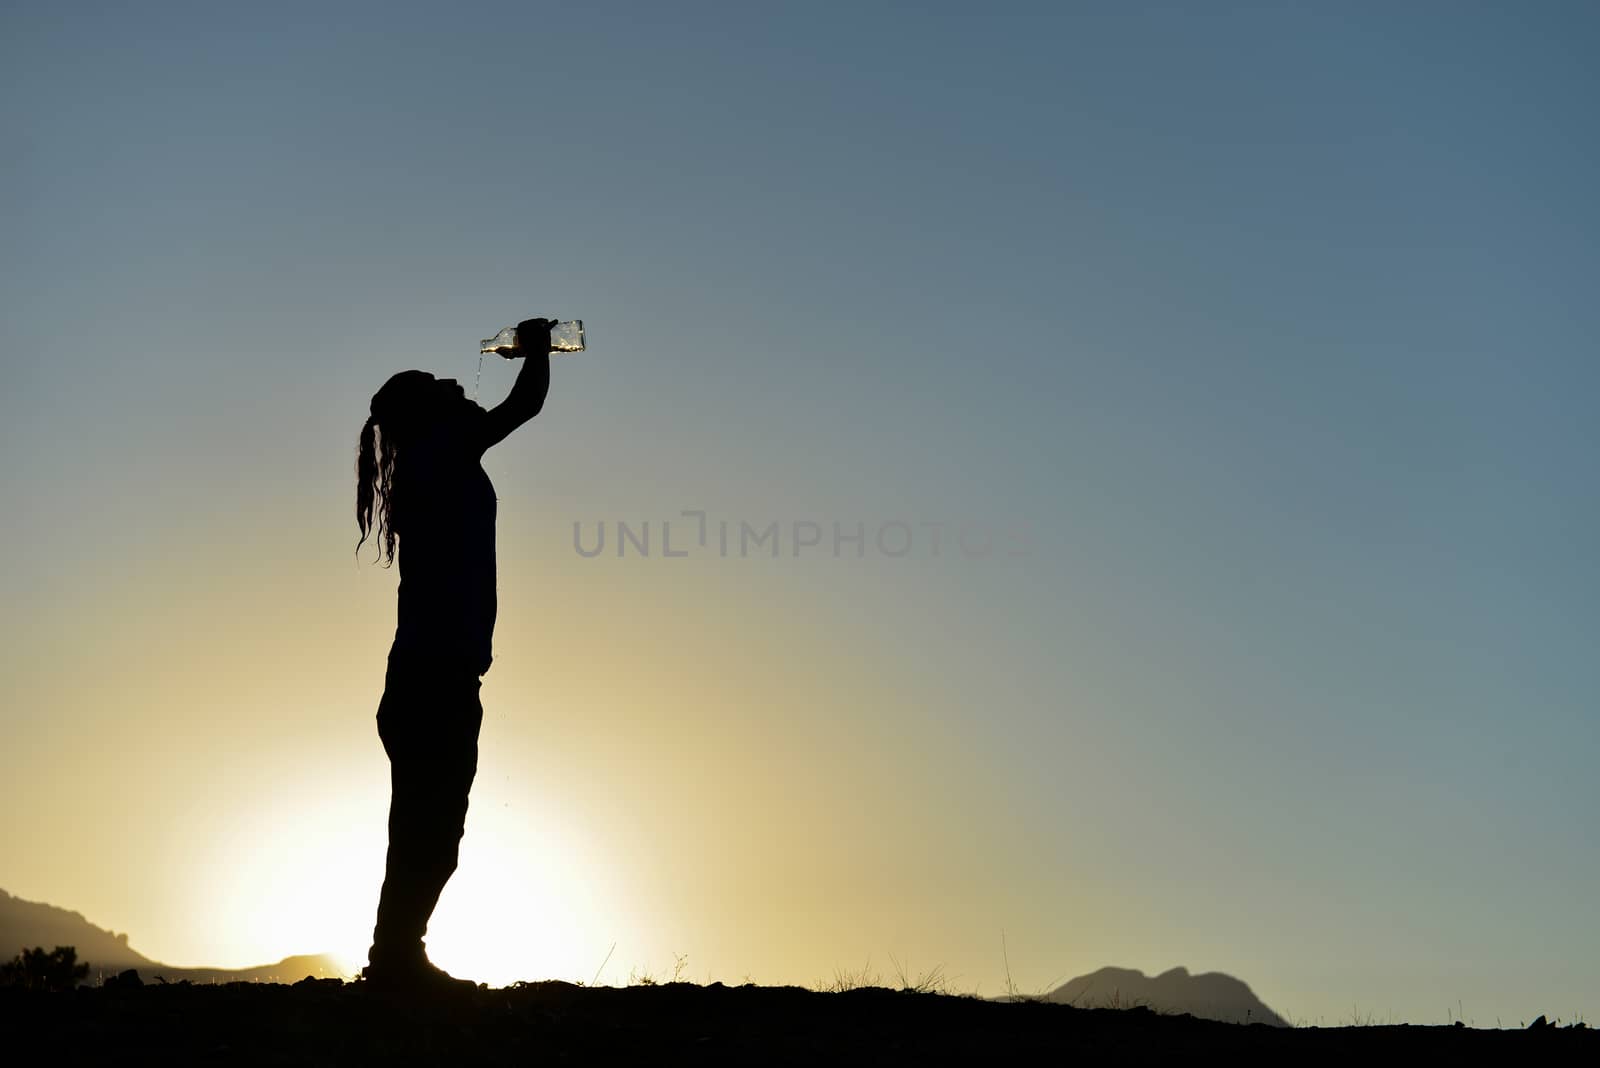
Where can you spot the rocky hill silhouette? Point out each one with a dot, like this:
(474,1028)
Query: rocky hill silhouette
(1210,996)
(24,924)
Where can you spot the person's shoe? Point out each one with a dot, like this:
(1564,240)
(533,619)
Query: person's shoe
(436,978)
(411,971)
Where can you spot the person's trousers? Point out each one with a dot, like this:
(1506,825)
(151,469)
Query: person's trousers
(428,721)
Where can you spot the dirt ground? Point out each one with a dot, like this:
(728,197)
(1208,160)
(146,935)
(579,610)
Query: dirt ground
(328,1022)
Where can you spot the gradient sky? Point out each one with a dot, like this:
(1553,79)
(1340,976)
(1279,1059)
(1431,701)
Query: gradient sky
(1272,325)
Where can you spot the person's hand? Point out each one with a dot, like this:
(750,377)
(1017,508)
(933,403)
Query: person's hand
(533,337)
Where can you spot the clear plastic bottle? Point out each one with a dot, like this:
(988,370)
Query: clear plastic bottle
(564,337)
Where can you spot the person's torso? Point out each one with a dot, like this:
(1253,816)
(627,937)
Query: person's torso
(445,520)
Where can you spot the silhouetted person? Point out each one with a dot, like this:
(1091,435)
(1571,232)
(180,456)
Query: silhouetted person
(419,480)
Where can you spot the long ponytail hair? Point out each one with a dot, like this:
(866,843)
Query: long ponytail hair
(375,456)
(398,412)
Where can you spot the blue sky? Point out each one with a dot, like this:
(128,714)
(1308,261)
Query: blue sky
(1270,321)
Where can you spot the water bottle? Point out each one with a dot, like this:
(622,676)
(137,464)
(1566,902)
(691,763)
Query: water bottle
(564,337)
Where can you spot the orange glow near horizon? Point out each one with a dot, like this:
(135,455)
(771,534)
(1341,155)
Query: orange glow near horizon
(307,881)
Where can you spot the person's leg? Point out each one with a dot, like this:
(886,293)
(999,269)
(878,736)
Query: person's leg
(430,731)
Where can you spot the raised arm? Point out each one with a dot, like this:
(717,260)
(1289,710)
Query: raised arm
(528,392)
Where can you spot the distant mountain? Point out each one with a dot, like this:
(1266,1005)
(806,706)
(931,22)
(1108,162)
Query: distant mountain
(1212,996)
(25,924)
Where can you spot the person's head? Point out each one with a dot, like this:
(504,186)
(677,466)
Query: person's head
(413,410)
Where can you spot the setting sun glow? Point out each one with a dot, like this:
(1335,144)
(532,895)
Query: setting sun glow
(307,880)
